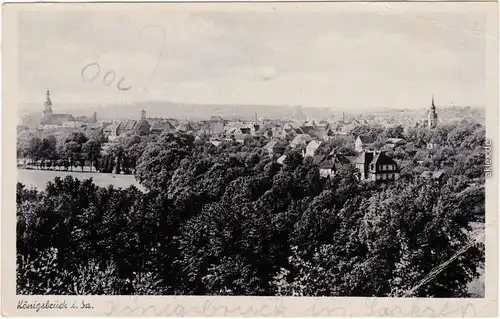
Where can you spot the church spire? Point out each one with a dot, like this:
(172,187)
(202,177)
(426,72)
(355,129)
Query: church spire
(48,102)
(432,118)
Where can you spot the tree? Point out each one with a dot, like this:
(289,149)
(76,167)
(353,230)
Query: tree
(422,225)
(77,137)
(293,159)
(465,134)
(33,149)
(366,130)
(98,135)
(92,152)
(161,158)
(72,152)
(394,132)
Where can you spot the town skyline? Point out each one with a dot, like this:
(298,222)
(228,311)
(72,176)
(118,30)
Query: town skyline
(159,109)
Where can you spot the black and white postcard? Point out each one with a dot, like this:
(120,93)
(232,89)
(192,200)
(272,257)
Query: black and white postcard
(250,159)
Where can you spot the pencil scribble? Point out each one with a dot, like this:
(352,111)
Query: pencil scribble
(160,51)
(89,75)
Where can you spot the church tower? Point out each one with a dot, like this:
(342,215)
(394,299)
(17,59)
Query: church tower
(432,118)
(143,115)
(47,110)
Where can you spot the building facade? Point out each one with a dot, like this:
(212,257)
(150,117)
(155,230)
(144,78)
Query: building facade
(376,166)
(363,143)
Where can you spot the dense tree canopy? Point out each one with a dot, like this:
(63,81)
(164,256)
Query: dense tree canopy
(227,220)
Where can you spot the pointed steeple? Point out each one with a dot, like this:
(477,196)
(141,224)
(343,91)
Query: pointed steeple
(48,102)
(432,118)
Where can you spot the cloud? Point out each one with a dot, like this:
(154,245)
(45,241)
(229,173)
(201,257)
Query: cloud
(293,58)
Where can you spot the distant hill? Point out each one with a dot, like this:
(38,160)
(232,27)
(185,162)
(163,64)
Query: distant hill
(181,110)
(166,109)
(446,114)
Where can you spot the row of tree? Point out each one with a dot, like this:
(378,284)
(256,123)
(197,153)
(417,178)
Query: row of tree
(76,150)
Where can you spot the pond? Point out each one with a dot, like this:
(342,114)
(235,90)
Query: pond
(39,178)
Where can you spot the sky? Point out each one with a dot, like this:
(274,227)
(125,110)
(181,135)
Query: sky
(362,56)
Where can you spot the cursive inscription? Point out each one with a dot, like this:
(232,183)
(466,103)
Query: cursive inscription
(466,309)
(211,310)
(37,306)
(126,309)
(373,307)
(316,311)
(91,71)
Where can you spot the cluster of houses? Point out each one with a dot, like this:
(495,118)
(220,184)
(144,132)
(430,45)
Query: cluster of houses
(220,129)
(372,161)
(373,165)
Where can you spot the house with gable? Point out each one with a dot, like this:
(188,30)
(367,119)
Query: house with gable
(275,148)
(217,124)
(291,130)
(162,126)
(363,143)
(436,176)
(393,142)
(376,166)
(300,140)
(265,130)
(324,132)
(331,163)
(311,148)
(240,137)
(110,131)
(308,127)
(185,127)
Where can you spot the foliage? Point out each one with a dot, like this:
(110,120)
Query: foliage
(227,220)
